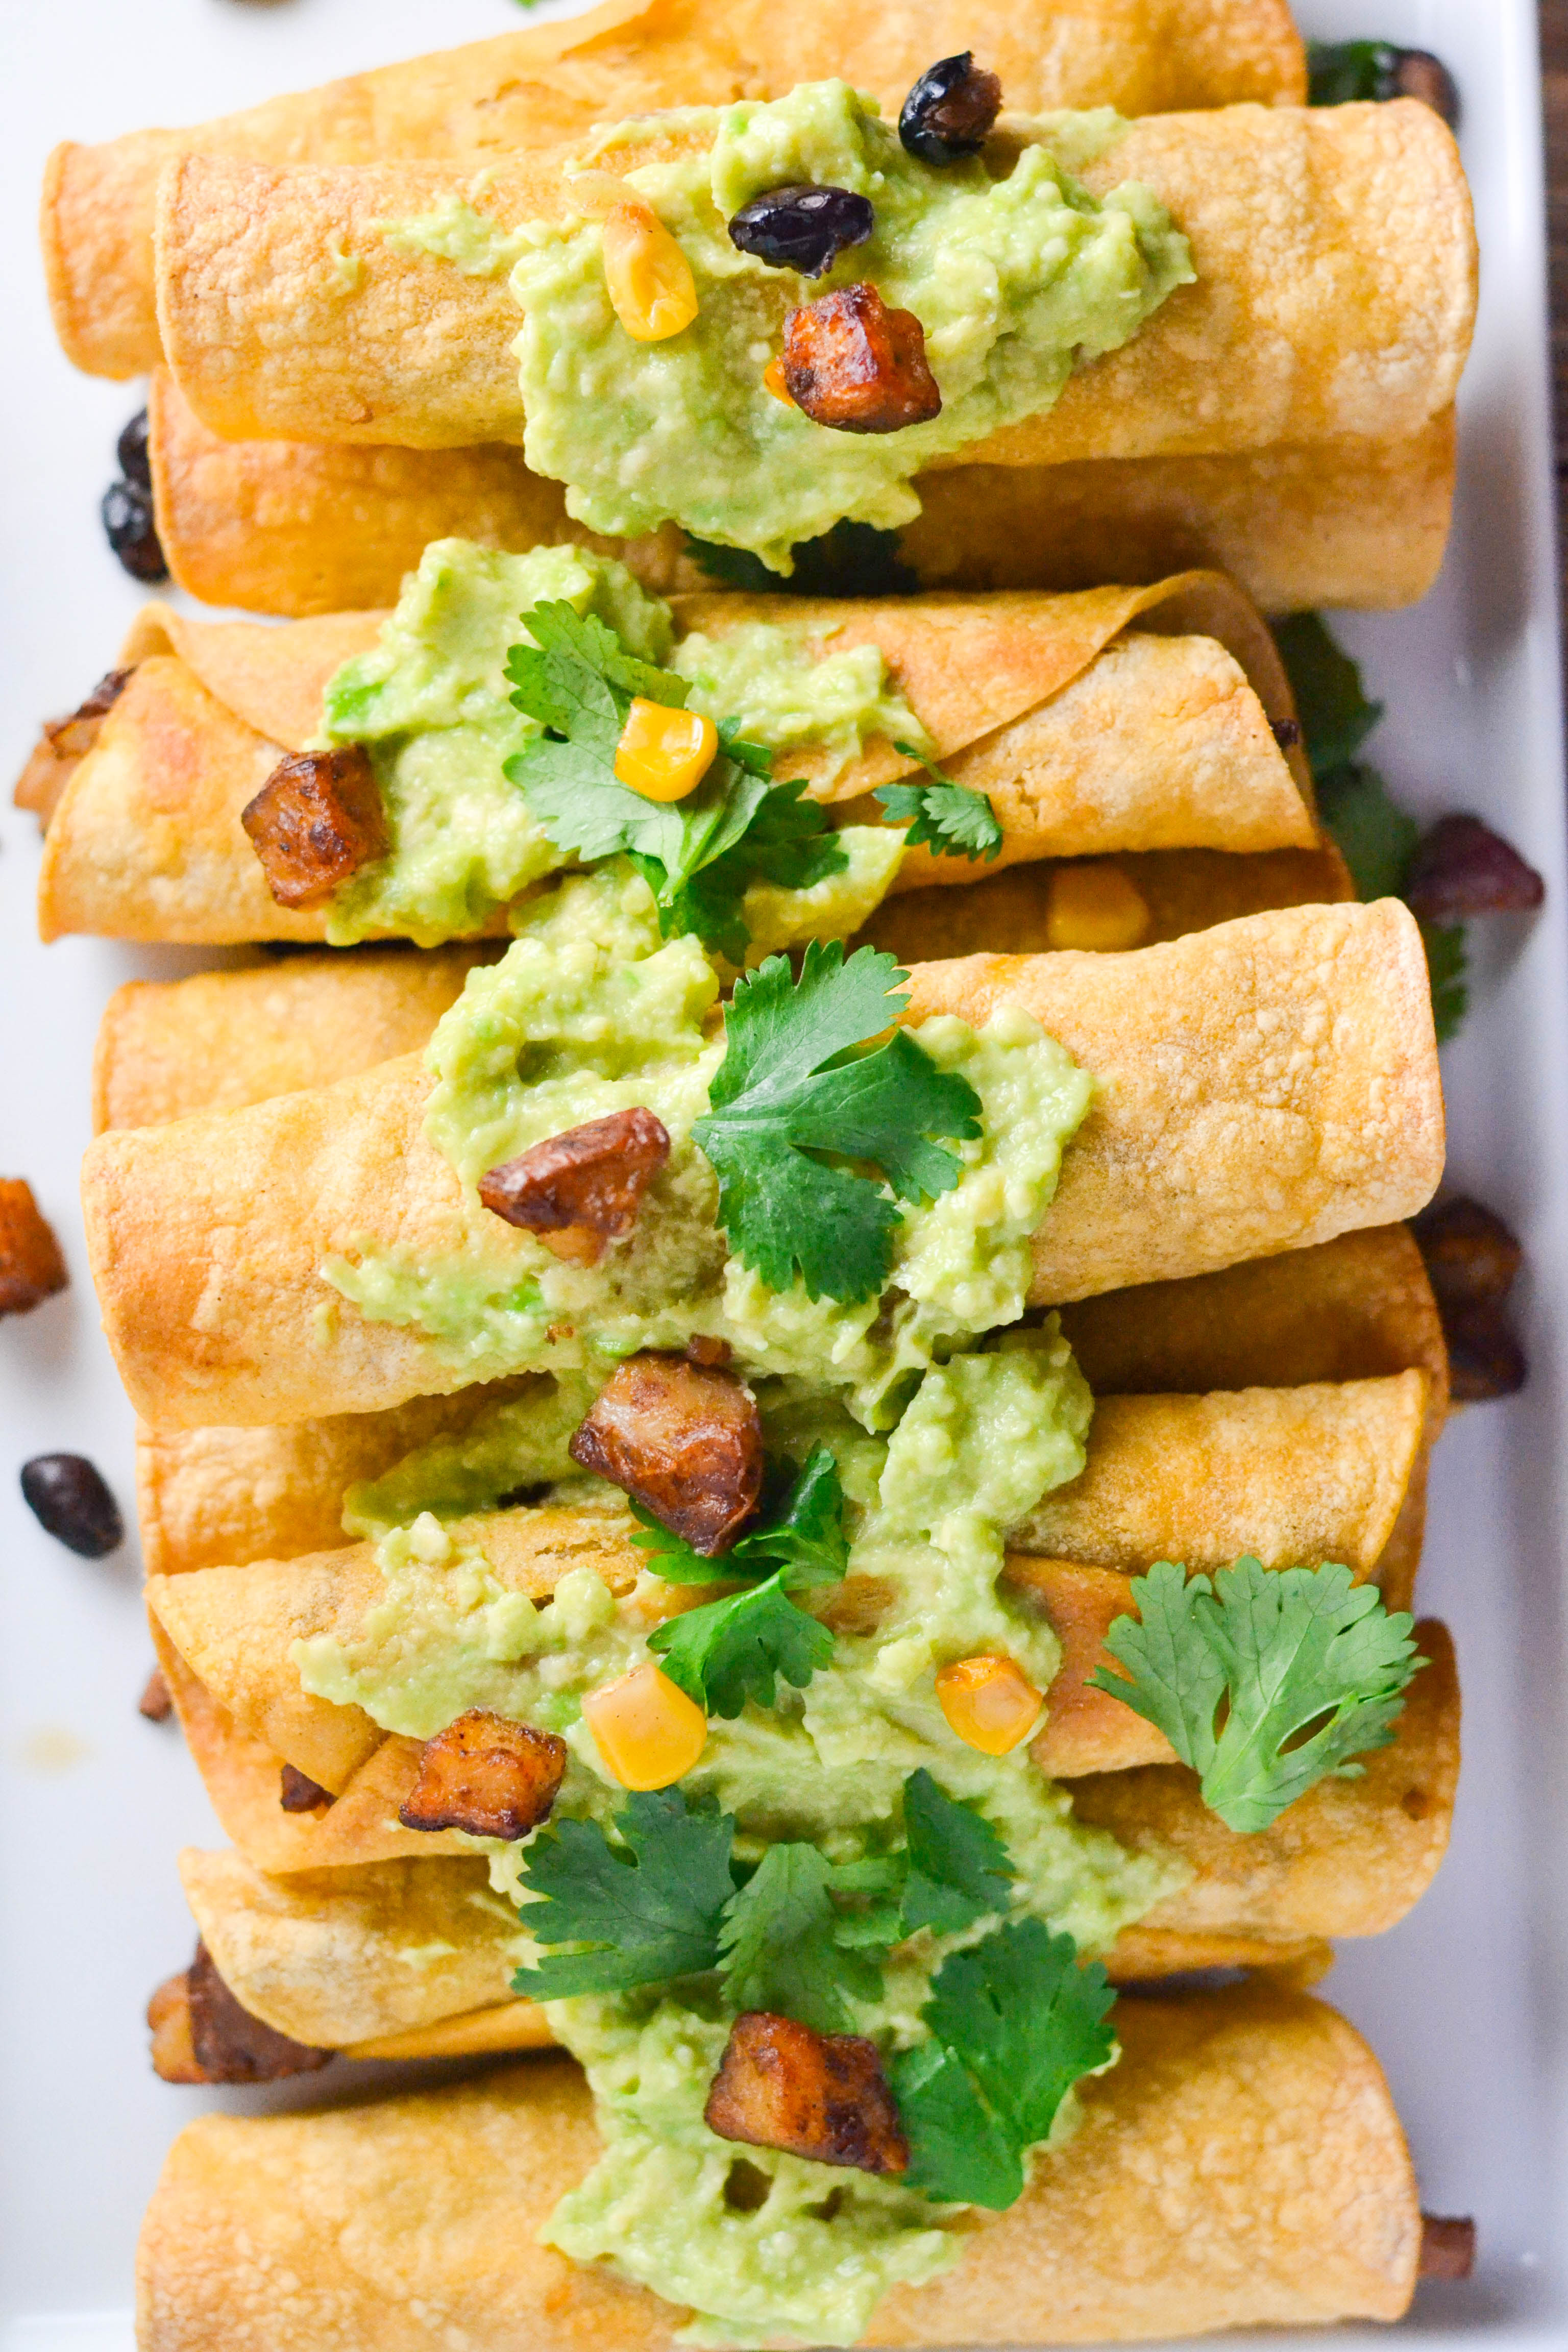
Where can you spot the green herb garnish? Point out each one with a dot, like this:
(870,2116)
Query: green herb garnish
(853,559)
(1239,1672)
(790,1086)
(733,1650)
(943,816)
(799,1529)
(699,855)
(647,1910)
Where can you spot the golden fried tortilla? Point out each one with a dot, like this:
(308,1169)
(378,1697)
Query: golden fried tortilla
(301,528)
(1262,1086)
(550,82)
(1090,736)
(1334,298)
(1285,2198)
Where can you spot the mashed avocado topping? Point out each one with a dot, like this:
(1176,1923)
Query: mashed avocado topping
(1014,280)
(589,1012)
(432,705)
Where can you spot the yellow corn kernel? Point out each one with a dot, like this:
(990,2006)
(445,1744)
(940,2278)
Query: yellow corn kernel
(646,1729)
(648,277)
(774,379)
(663,753)
(989,1703)
(1095,907)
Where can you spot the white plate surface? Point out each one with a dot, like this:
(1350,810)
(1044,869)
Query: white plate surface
(1467,2003)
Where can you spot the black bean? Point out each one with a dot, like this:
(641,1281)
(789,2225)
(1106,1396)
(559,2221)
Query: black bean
(1484,1358)
(1470,1256)
(1416,73)
(131,532)
(1287,732)
(950,111)
(132,451)
(1461,867)
(70,1500)
(802,227)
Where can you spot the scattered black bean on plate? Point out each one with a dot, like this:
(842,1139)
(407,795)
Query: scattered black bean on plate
(950,111)
(127,509)
(1340,72)
(70,1500)
(132,451)
(802,227)
(1461,867)
(1472,1258)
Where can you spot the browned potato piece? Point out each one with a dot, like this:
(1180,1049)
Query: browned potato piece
(201,2033)
(852,363)
(822,2095)
(485,1775)
(682,1439)
(298,1793)
(316,820)
(53,759)
(1447,2247)
(31,1267)
(582,1190)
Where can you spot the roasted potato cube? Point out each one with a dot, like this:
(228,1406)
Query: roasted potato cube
(682,1439)
(581,1190)
(822,2095)
(1447,2246)
(852,363)
(317,820)
(31,1267)
(485,1775)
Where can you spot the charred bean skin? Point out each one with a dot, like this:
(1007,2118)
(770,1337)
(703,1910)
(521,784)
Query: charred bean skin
(802,227)
(70,1502)
(132,534)
(950,109)
(1461,867)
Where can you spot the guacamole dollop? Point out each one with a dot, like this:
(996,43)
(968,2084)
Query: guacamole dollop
(431,706)
(591,1012)
(1015,280)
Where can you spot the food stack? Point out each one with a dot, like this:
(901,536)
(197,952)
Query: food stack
(785,1399)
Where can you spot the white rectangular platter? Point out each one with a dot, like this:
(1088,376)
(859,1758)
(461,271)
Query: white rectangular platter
(1467,2003)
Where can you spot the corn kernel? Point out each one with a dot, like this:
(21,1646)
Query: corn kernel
(1095,907)
(663,753)
(648,277)
(646,1729)
(989,1703)
(774,379)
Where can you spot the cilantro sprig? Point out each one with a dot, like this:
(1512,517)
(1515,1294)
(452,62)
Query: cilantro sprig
(1237,1672)
(699,855)
(645,1910)
(1375,837)
(792,1088)
(946,818)
(799,1527)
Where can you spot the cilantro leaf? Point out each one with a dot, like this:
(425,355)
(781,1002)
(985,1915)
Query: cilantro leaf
(775,1101)
(1341,71)
(1335,714)
(853,559)
(733,1650)
(1447,966)
(958,1865)
(787,841)
(800,1529)
(649,1912)
(948,818)
(1376,837)
(1284,1650)
(1014,2022)
(782,1947)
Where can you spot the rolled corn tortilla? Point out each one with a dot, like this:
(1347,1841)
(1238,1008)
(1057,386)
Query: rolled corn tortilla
(1285,2196)
(1088,736)
(1262,1086)
(1291,1475)
(297,528)
(339,1957)
(552,82)
(1335,292)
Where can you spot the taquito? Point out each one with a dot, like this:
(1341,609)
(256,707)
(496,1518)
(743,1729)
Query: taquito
(299,528)
(1231,2102)
(321,1954)
(552,82)
(1334,296)
(1261,1087)
(1287,1475)
(1089,735)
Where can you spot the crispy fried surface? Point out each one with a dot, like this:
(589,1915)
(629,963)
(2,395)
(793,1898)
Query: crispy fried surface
(1264,1086)
(1286,2196)
(551,82)
(1334,296)
(315,821)
(682,1438)
(820,2095)
(485,1776)
(581,1189)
